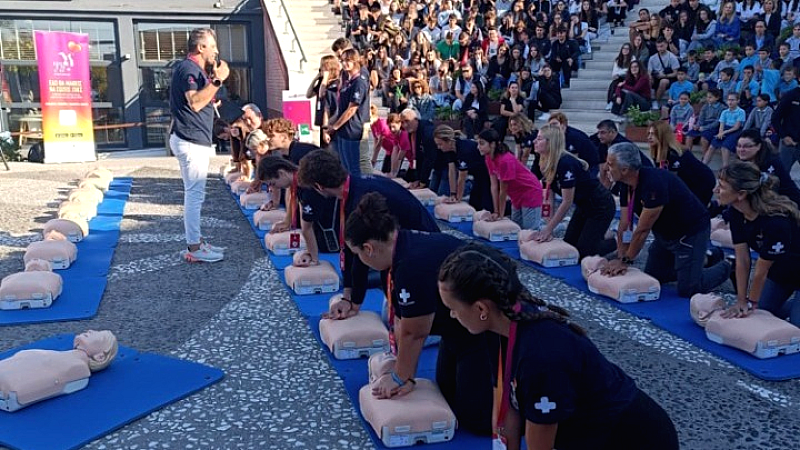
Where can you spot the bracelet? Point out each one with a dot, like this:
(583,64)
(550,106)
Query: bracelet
(347,300)
(396,378)
(626,260)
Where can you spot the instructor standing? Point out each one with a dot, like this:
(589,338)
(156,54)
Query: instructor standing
(195,82)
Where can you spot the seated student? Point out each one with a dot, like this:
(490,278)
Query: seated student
(548,95)
(635,90)
(768,223)
(708,63)
(677,88)
(728,61)
(769,81)
(751,147)
(668,154)
(564,54)
(730,126)
(323,172)
(577,142)
(524,132)
(760,118)
(763,62)
(692,67)
(568,176)
(681,113)
(728,26)
(783,56)
(511,180)
(707,122)
(564,394)
(462,155)
(727,82)
(662,68)
(750,58)
(679,222)
(787,83)
(747,88)
(411,261)
(394,141)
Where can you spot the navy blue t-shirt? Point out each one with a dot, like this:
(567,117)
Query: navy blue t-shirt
(195,127)
(682,215)
(698,177)
(559,376)
(415,272)
(774,238)
(354,91)
(786,185)
(410,214)
(469,159)
(571,174)
(579,144)
(526,141)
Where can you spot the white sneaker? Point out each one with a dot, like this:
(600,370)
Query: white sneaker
(212,248)
(202,255)
(609,106)
(655,105)
(544,117)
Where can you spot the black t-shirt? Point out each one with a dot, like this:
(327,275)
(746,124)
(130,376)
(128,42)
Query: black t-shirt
(682,215)
(570,174)
(510,107)
(560,377)
(774,238)
(578,143)
(602,149)
(526,141)
(415,272)
(195,127)
(786,185)
(469,159)
(698,177)
(297,150)
(410,214)
(354,91)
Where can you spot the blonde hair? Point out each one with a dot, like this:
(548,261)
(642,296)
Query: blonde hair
(665,140)
(447,133)
(759,187)
(524,122)
(556,145)
(256,139)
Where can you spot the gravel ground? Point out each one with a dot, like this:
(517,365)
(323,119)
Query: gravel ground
(279,391)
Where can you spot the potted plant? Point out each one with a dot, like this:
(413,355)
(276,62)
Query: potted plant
(494,104)
(696,99)
(639,122)
(446,115)
(9,147)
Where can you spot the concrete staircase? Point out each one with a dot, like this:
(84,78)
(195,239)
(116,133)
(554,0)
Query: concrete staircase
(585,101)
(316,28)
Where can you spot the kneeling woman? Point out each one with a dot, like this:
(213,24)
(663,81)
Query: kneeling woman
(556,383)
(412,259)
(462,155)
(569,176)
(769,224)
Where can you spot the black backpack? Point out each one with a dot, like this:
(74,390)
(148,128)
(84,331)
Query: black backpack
(36,153)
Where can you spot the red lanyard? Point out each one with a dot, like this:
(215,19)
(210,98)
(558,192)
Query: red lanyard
(342,207)
(546,201)
(293,202)
(505,377)
(390,307)
(630,208)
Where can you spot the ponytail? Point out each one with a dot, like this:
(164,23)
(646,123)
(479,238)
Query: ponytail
(475,272)
(759,186)
(371,220)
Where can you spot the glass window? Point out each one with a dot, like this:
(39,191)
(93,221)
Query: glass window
(165,42)
(17,42)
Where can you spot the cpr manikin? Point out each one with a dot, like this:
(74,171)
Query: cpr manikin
(31,376)
(494,230)
(36,287)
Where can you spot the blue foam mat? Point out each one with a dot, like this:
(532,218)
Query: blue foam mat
(671,313)
(134,385)
(85,280)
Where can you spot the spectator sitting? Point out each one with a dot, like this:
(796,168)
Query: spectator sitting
(728,26)
(692,67)
(705,30)
(761,39)
(760,117)
(729,61)
(475,110)
(564,56)
(618,71)
(639,50)
(546,96)
(707,123)
(677,88)
(726,83)
(730,126)
(681,113)
(794,42)
(747,89)
(764,62)
(499,68)
(787,83)
(635,90)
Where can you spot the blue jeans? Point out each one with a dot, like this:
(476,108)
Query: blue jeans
(775,298)
(527,218)
(439,182)
(682,260)
(350,155)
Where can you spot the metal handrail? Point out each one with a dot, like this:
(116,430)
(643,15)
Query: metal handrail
(296,38)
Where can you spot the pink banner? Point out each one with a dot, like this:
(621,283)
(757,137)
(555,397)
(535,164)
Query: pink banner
(66,93)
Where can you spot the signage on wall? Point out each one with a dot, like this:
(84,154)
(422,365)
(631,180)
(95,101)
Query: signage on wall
(66,93)
(298,109)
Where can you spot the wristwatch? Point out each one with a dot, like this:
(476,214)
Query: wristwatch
(626,260)
(216,82)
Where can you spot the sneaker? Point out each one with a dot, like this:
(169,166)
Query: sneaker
(212,248)
(544,117)
(655,105)
(609,106)
(202,255)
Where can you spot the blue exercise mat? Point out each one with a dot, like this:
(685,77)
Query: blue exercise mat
(85,280)
(134,385)
(671,313)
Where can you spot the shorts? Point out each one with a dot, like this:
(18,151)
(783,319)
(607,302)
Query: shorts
(728,142)
(707,134)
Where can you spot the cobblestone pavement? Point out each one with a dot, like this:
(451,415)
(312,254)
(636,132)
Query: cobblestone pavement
(279,391)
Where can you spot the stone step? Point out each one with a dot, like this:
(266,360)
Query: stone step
(595,74)
(597,106)
(582,116)
(603,57)
(585,83)
(577,93)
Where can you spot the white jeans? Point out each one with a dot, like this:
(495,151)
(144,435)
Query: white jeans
(193,159)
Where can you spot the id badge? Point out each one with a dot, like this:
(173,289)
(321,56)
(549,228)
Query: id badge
(546,210)
(294,240)
(627,236)
(499,442)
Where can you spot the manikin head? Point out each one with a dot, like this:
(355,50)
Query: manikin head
(100,346)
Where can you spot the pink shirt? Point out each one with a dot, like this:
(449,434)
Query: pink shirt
(381,129)
(524,189)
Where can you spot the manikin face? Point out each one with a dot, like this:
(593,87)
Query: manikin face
(95,343)
(467,315)
(746,149)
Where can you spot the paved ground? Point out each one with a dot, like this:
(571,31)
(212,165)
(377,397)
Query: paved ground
(279,391)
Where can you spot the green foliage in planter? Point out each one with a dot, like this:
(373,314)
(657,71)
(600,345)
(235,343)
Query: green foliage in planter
(9,147)
(640,118)
(495,94)
(697,97)
(445,113)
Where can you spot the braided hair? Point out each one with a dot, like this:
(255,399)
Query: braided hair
(476,272)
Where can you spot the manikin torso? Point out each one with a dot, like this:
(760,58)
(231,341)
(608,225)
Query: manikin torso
(35,375)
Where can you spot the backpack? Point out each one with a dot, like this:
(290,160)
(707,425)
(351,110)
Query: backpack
(36,153)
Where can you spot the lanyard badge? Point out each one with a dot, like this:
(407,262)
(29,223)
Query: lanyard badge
(342,208)
(546,203)
(499,441)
